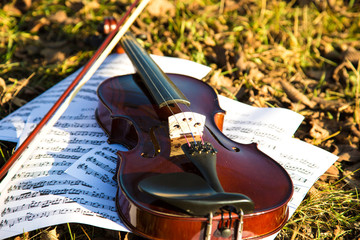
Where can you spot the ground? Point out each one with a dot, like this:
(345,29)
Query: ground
(301,55)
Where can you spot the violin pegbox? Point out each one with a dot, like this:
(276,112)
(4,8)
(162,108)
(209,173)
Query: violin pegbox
(186,123)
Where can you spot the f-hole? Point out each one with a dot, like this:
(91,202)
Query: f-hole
(155,143)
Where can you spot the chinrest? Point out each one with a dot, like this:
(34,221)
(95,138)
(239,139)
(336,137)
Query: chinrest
(192,194)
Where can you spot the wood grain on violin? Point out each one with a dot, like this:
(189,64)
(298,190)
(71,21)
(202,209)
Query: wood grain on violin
(183,178)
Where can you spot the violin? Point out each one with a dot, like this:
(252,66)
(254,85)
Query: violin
(182,178)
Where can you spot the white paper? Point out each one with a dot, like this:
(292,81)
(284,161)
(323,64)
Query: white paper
(40,193)
(247,124)
(47,191)
(98,166)
(117,64)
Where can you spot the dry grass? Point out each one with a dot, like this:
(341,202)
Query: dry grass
(302,55)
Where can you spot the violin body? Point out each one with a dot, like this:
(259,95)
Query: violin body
(182,178)
(130,117)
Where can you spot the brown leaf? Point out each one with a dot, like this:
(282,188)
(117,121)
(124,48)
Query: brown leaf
(332,172)
(295,95)
(349,154)
(24,236)
(2,86)
(340,72)
(23,5)
(352,55)
(59,17)
(11,10)
(219,80)
(52,55)
(255,74)
(18,101)
(220,55)
(318,132)
(180,54)
(317,74)
(159,8)
(338,231)
(156,51)
(39,24)
(75,5)
(333,105)
(209,41)
(56,44)
(49,235)
(232,5)
(352,174)
(243,64)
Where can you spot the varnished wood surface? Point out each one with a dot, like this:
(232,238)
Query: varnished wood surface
(129,116)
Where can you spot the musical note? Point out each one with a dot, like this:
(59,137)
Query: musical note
(100,163)
(53,184)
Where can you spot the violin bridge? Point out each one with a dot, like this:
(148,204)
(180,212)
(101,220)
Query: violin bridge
(186,123)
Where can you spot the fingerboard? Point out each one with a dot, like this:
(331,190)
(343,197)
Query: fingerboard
(161,88)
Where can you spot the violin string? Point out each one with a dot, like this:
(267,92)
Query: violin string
(134,55)
(197,127)
(187,122)
(200,134)
(162,97)
(179,108)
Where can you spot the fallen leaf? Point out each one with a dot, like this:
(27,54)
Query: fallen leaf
(220,80)
(59,17)
(179,54)
(156,51)
(209,41)
(75,5)
(352,156)
(161,7)
(243,64)
(39,24)
(220,52)
(52,55)
(232,5)
(295,95)
(2,85)
(23,5)
(318,132)
(352,55)
(338,231)
(24,236)
(332,172)
(49,235)
(255,74)
(18,101)
(352,175)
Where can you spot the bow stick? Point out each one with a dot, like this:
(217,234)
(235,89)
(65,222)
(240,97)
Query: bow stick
(88,70)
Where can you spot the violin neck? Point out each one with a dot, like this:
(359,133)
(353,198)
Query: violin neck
(162,89)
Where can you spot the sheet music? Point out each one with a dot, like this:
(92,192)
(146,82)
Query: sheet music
(116,64)
(247,124)
(68,177)
(41,194)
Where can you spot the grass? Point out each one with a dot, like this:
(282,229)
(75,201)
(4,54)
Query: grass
(250,44)
(327,213)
